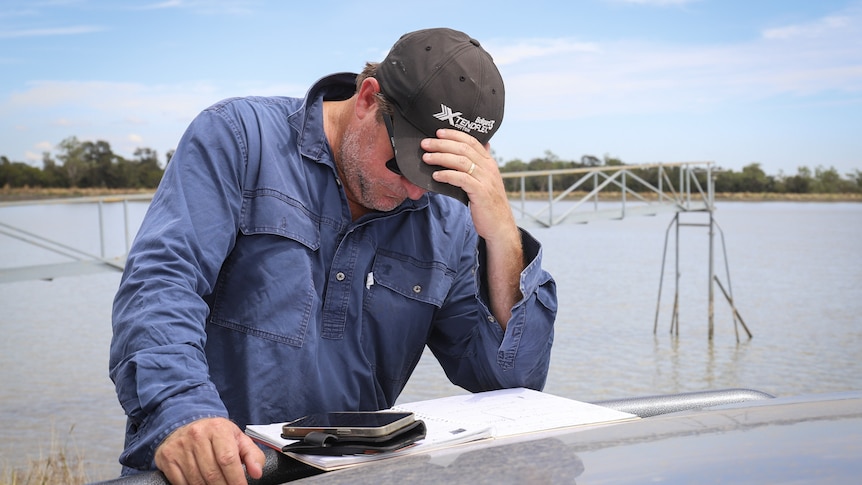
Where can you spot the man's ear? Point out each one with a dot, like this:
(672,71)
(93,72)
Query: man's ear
(366,98)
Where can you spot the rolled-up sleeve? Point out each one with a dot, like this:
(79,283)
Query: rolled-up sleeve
(472,348)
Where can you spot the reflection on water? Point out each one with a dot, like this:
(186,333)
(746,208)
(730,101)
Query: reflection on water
(796,271)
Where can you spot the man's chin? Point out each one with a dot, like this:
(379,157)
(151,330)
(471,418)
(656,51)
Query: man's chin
(388,203)
(391,205)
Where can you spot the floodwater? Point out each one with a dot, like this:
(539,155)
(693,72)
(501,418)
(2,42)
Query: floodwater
(795,273)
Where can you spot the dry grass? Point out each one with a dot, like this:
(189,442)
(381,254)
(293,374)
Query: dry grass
(721,196)
(8,194)
(770,196)
(63,465)
(26,193)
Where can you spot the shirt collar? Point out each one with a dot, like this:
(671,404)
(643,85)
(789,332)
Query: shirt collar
(308,119)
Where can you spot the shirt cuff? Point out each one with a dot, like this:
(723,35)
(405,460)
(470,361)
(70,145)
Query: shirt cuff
(533,276)
(198,403)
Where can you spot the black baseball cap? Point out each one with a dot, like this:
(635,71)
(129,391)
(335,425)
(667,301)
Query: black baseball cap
(439,78)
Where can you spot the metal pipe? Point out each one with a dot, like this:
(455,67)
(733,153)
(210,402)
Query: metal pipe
(101,229)
(675,319)
(126,225)
(550,200)
(711,311)
(523,195)
(661,276)
(623,190)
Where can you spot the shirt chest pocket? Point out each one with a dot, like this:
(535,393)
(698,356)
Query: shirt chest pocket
(419,281)
(267,287)
(401,299)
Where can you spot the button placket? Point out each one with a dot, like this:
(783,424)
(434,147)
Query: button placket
(336,304)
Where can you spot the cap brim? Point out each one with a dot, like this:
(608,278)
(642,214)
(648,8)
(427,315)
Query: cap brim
(409,159)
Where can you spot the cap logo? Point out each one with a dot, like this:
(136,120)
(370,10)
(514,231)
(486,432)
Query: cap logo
(454,118)
(446,113)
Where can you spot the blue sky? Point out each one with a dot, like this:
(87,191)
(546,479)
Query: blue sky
(778,82)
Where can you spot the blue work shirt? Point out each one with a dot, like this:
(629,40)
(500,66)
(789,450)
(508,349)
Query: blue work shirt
(250,293)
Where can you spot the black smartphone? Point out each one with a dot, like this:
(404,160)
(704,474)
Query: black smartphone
(358,423)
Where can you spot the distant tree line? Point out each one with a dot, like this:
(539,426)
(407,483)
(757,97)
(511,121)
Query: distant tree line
(752,178)
(86,164)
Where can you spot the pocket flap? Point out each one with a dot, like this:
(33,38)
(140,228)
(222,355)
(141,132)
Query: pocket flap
(267,211)
(428,282)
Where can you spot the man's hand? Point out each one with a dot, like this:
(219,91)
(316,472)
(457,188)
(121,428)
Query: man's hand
(472,168)
(209,451)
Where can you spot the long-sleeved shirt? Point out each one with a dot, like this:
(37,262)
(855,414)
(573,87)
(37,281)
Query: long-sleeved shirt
(250,293)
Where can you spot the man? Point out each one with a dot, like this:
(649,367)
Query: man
(294,261)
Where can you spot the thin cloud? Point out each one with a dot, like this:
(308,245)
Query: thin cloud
(135,101)
(17,13)
(175,101)
(33,156)
(529,49)
(42,147)
(162,5)
(612,78)
(156,114)
(657,3)
(816,29)
(207,7)
(48,32)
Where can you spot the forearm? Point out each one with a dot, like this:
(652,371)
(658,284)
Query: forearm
(523,355)
(504,264)
(515,353)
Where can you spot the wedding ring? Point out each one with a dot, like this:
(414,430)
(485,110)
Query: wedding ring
(472,167)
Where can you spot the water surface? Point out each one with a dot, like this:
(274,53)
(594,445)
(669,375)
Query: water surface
(795,270)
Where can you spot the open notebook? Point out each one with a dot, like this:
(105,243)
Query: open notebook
(454,420)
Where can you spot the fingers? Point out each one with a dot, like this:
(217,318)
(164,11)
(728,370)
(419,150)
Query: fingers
(252,457)
(455,150)
(210,450)
(224,463)
(472,168)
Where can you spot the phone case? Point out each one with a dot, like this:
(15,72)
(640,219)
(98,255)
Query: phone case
(317,443)
(296,429)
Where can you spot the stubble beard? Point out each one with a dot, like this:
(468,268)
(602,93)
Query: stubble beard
(366,191)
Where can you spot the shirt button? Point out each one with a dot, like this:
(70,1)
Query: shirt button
(339,276)
(417,289)
(491,318)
